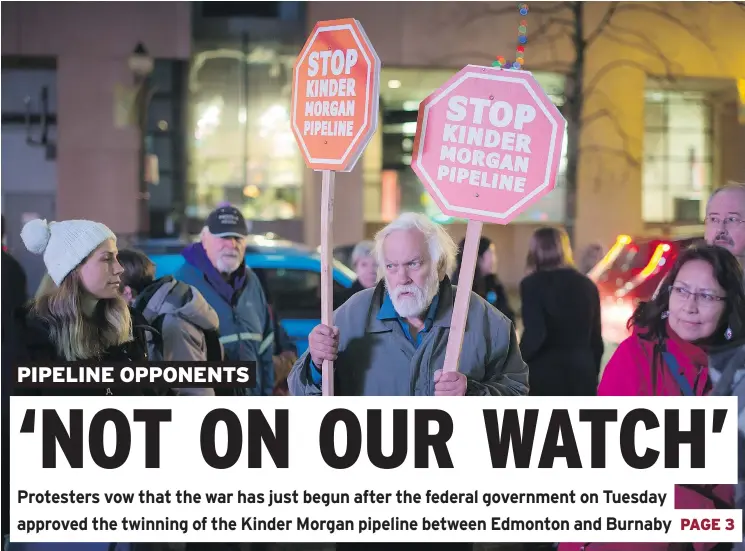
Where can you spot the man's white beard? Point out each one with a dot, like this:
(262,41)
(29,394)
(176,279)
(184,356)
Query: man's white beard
(227,264)
(419,300)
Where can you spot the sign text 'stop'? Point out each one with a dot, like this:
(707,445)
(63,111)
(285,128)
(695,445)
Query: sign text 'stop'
(488,144)
(335,89)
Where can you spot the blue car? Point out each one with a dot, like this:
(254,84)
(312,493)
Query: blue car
(291,272)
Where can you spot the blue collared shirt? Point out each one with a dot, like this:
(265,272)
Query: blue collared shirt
(388,312)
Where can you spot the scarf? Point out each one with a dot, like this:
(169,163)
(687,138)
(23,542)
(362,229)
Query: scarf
(698,354)
(228,289)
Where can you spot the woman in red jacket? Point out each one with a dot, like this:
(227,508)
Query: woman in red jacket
(701,304)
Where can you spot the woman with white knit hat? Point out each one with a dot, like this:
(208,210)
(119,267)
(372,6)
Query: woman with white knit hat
(84,319)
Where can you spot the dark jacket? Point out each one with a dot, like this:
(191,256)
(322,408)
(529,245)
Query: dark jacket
(495,294)
(727,374)
(36,348)
(562,342)
(14,296)
(14,292)
(490,288)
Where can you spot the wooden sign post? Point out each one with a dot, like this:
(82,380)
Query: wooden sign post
(335,91)
(488,145)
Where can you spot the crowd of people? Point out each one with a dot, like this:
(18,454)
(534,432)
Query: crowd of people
(390,332)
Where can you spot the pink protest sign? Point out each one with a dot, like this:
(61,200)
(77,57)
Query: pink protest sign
(488,144)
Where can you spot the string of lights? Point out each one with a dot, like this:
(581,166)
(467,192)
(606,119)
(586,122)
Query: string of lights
(522,39)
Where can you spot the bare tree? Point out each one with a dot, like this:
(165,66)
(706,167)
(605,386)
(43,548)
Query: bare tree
(566,24)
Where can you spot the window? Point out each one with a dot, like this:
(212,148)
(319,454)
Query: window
(165,167)
(296,294)
(242,149)
(677,157)
(391,186)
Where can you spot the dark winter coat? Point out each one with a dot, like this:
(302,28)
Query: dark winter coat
(562,342)
(36,348)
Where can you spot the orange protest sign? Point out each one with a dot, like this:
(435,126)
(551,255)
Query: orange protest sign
(335,89)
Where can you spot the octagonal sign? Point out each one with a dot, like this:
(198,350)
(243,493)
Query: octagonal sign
(488,144)
(335,89)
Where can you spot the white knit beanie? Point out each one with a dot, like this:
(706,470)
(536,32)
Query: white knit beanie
(64,244)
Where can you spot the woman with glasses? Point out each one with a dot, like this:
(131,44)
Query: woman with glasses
(700,306)
(699,310)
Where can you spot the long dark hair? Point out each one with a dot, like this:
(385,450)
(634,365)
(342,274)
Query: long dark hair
(479,283)
(648,316)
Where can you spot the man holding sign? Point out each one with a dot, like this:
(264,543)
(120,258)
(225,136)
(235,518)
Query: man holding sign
(391,340)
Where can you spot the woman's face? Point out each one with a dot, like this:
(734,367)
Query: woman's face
(367,271)
(697,301)
(101,273)
(488,261)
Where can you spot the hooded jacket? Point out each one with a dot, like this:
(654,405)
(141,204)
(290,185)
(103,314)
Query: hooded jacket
(186,316)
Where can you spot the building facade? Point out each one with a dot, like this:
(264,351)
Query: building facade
(659,131)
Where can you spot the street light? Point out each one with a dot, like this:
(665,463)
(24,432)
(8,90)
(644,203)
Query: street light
(141,64)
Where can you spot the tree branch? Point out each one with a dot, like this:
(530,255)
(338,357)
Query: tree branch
(548,24)
(606,114)
(667,16)
(590,87)
(604,23)
(646,44)
(482,57)
(630,159)
(535,9)
(551,38)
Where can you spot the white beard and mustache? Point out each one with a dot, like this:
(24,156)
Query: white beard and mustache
(420,299)
(228,263)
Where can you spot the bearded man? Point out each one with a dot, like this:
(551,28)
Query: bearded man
(390,340)
(216,267)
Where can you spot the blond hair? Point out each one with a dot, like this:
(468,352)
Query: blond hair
(75,335)
(46,286)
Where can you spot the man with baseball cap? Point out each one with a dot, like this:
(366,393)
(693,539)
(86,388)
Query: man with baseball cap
(216,267)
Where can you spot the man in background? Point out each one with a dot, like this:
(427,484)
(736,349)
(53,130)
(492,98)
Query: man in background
(725,226)
(216,267)
(725,219)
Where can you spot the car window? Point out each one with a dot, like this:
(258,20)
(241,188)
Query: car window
(296,294)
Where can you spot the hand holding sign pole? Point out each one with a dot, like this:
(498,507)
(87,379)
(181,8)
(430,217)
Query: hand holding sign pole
(335,90)
(488,145)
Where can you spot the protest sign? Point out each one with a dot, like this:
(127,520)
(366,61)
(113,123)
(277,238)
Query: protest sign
(488,145)
(335,90)
(143,469)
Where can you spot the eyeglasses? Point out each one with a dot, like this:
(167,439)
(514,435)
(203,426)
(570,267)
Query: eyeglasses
(705,298)
(729,221)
